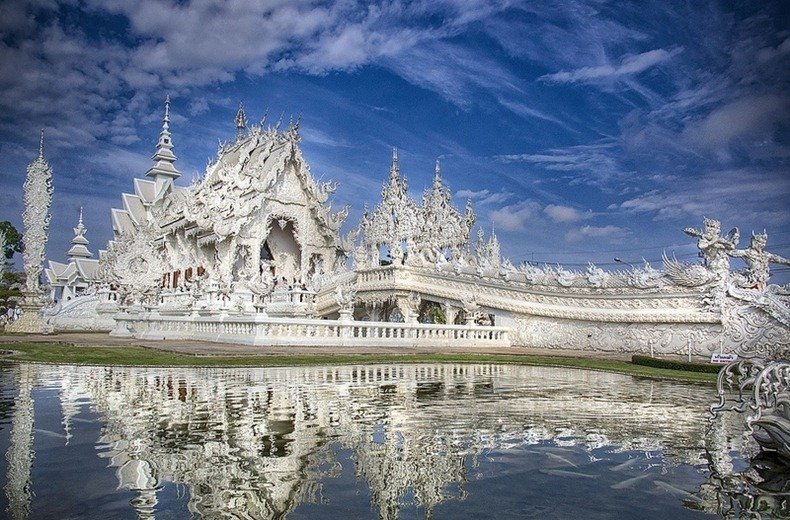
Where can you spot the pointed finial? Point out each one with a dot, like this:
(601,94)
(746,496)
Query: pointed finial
(241,121)
(438,169)
(167,110)
(394,169)
(41,145)
(79,222)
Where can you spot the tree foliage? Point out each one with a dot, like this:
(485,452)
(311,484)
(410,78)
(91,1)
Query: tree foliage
(13,239)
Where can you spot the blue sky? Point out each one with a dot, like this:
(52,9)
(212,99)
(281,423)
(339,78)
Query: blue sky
(581,132)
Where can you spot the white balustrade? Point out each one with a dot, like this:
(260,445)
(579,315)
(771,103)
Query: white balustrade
(262,330)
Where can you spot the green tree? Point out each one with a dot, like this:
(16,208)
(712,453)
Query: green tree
(10,281)
(13,239)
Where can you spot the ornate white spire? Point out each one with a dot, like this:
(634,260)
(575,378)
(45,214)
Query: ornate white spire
(437,176)
(79,243)
(394,169)
(164,171)
(35,217)
(241,122)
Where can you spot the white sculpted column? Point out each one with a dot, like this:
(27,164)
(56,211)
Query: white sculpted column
(20,448)
(35,218)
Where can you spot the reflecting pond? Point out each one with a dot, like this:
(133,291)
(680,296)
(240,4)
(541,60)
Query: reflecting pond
(373,441)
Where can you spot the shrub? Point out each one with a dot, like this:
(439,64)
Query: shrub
(675,365)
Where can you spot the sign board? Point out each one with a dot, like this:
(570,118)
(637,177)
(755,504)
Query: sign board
(723,359)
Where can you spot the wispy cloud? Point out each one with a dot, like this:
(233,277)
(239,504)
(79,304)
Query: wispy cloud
(629,64)
(742,194)
(484,197)
(585,164)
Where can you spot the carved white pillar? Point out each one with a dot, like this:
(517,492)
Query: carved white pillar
(20,450)
(35,218)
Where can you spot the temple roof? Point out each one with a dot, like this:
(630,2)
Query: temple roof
(164,156)
(78,270)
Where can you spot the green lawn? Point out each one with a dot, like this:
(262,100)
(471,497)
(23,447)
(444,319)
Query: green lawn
(89,355)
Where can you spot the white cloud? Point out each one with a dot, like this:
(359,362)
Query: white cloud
(484,197)
(629,65)
(739,194)
(562,214)
(609,233)
(316,136)
(514,217)
(527,111)
(749,117)
(594,164)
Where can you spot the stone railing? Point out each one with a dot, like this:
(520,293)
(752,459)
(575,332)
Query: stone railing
(377,274)
(293,296)
(261,330)
(175,298)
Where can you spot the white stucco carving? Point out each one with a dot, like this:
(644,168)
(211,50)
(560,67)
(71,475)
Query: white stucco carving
(37,194)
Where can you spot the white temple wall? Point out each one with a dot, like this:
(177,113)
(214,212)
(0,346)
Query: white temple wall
(687,339)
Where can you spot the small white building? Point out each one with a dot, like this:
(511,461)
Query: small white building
(76,276)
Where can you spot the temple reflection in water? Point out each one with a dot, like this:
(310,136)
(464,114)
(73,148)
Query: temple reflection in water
(262,440)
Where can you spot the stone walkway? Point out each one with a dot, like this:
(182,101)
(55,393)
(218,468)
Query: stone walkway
(204,348)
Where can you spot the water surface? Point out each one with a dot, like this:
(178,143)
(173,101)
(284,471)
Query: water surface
(387,441)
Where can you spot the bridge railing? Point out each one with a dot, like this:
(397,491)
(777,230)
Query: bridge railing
(259,330)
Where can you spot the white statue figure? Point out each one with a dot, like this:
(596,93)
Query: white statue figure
(758,260)
(344,297)
(714,247)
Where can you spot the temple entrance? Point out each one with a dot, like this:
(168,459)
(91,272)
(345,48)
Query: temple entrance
(285,251)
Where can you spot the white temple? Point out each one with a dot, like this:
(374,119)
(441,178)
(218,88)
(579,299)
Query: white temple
(252,253)
(79,274)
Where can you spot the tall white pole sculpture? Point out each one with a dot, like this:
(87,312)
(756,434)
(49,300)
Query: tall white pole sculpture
(35,218)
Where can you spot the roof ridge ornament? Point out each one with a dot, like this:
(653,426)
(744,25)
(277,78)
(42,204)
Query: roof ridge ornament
(394,167)
(241,122)
(41,146)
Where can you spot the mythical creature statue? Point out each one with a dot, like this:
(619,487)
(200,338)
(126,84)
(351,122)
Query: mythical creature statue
(758,261)
(596,276)
(344,297)
(646,277)
(714,247)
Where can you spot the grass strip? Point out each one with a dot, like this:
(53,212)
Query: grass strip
(57,353)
